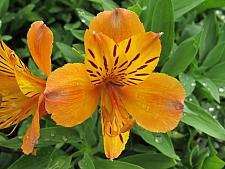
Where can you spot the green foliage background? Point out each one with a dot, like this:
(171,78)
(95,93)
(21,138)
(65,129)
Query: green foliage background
(193,51)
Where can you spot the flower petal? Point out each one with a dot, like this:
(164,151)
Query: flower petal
(40,40)
(142,52)
(156,104)
(102,56)
(70,96)
(33,133)
(15,106)
(114,119)
(118,24)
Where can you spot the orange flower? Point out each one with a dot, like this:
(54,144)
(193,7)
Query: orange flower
(120,58)
(21,92)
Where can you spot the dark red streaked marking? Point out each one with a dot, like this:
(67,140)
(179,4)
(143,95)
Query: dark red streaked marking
(105,64)
(89,71)
(126,83)
(116,61)
(151,60)
(135,58)
(135,79)
(123,64)
(6,72)
(100,68)
(131,82)
(93,75)
(91,53)
(128,46)
(122,70)
(3,58)
(2,45)
(93,64)
(142,67)
(121,137)
(35,95)
(95,80)
(114,50)
(27,93)
(132,72)
(142,74)
(98,73)
(4,68)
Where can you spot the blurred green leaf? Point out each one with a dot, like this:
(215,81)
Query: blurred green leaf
(150,160)
(181,7)
(163,21)
(4,5)
(103,164)
(188,83)
(217,71)
(210,87)
(68,52)
(86,162)
(210,4)
(213,162)
(106,5)
(160,141)
(200,119)
(214,55)
(181,58)
(208,37)
(85,16)
(47,158)
(79,34)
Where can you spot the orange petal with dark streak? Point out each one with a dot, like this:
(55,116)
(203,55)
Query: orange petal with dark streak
(156,104)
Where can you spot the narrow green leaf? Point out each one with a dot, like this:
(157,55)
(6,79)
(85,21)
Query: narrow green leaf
(210,86)
(150,160)
(200,119)
(106,5)
(181,58)
(103,164)
(79,34)
(4,5)
(210,4)
(217,71)
(68,53)
(214,55)
(213,162)
(85,16)
(208,37)
(163,21)
(181,7)
(188,83)
(86,162)
(160,141)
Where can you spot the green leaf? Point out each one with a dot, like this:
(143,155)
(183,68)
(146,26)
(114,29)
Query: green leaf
(163,21)
(150,160)
(200,119)
(49,136)
(160,141)
(181,7)
(217,72)
(47,158)
(210,86)
(4,5)
(79,34)
(211,4)
(181,58)
(213,162)
(86,162)
(106,5)
(214,55)
(85,16)
(103,164)
(208,37)
(68,52)
(188,83)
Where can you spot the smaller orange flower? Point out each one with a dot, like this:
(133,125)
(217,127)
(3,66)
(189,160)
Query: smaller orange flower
(120,58)
(21,92)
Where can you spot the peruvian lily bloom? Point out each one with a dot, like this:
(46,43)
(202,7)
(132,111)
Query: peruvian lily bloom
(120,58)
(21,92)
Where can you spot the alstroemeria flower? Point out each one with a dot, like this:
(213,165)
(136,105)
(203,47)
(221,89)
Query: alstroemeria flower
(21,91)
(120,58)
